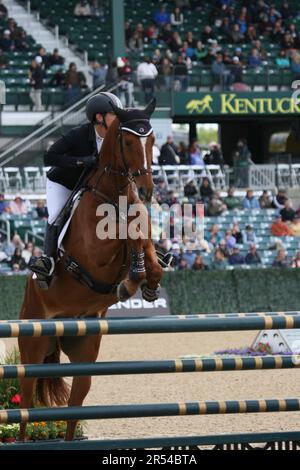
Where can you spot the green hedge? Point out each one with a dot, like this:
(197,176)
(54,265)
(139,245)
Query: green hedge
(207,292)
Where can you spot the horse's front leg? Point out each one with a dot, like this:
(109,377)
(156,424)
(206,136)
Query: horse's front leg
(154,272)
(137,271)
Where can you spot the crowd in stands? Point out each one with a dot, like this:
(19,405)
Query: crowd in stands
(14,253)
(225,245)
(228,24)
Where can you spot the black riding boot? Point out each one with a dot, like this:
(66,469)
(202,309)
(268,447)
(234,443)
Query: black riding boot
(44,266)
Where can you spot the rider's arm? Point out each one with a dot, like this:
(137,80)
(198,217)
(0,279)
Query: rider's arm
(60,155)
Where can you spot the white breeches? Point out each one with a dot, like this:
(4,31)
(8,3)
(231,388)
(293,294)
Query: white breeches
(57,196)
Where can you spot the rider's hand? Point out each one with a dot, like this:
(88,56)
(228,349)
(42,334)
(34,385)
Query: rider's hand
(87,162)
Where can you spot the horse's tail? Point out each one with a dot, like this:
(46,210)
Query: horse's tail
(54,390)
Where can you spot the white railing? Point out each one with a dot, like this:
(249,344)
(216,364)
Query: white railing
(262,176)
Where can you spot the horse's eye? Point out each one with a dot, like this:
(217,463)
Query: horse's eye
(128,144)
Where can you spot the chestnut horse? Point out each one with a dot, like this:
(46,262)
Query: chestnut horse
(120,265)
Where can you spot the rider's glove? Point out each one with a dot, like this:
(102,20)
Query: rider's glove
(87,162)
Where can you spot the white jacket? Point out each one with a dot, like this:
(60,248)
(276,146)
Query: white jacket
(146,70)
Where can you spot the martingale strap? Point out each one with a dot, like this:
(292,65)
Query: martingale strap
(82,276)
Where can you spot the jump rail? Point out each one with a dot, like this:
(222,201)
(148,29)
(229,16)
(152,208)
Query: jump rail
(176,324)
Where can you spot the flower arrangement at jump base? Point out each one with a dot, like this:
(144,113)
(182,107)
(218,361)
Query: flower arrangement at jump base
(10,398)
(37,431)
(262,349)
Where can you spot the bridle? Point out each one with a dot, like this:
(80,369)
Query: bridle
(126,172)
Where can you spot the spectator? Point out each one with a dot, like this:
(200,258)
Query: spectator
(6,43)
(287,213)
(36,77)
(176,18)
(200,51)
(43,55)
(190,190)
(220,73)
(282,61)
(254,59)
(155,154)
(168,153)
(161,17)
(207,34)
(58,79)
(183,265)
(231,201)
(251,33)
(146,75)
(287,41)
(214,156)
(3,10)
(249,235)
(4,62)
(242,162)
(195,155)
(236,70)
(97,10)
(27,252)
(236,258)
(206,191)
(17,259)
(14,30)
(180,74)
(285,10)
(279,199)
(161,190)
(295,227)
(166,71)
(21,42)
(230,240)
(265,200)
(41,210)
(3,204)
(214,237)
(182,153)
(18,206)
(281,260)
(252,257)
(279,228)
(128,32)
(296,261)
(99,74)
(219,261)
(236,233)
(250,201)
(82,8)
(216,206)
(189,256)
(55,59)
(295,62)
(74,81)
(235,34)
(198,264)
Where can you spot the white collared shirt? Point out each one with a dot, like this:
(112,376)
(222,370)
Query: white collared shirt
(99,141)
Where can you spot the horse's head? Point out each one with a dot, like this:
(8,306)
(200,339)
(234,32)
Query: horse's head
(136,142)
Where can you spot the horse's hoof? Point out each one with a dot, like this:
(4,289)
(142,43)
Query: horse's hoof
(150,295)
(122,292)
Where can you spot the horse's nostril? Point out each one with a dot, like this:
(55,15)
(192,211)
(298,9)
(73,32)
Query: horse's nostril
(145,194)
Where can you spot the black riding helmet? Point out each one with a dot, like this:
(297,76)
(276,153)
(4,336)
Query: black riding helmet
(101,104)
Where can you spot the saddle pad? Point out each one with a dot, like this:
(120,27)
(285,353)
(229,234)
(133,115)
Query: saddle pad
(75,203)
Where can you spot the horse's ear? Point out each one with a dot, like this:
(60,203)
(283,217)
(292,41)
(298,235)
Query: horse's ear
(150,107)
(120,113)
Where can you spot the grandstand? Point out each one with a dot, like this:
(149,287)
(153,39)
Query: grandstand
(252,101)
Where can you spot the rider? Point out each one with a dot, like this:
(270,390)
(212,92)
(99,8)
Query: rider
(69,156)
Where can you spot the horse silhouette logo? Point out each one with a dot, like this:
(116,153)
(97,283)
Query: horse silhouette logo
(199,106)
